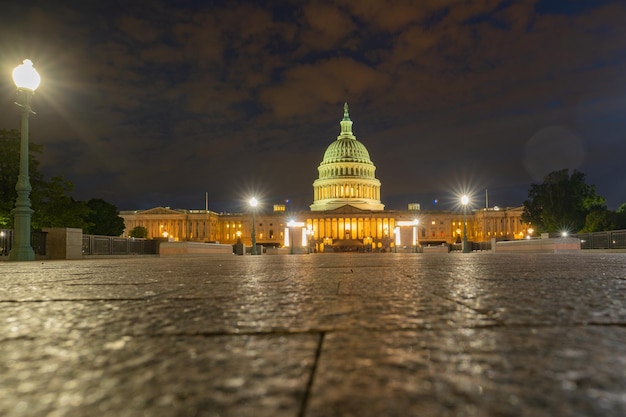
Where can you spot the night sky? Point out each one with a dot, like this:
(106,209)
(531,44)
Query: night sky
(156,103)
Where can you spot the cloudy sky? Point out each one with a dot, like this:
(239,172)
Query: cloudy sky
(156,103)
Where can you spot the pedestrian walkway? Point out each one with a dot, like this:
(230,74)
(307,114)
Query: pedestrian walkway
(320,335)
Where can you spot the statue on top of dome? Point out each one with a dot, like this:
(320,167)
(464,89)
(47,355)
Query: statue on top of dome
(346,116)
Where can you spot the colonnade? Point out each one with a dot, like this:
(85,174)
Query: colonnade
(348,190)
(178,229)
(351,227)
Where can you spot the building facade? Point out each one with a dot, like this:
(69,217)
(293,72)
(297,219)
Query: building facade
(346,214)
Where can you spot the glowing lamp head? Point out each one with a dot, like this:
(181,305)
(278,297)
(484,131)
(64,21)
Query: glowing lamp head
(464,200)
(254,202)
(26,77)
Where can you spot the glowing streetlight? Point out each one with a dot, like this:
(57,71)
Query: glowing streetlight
(465,201)
(416,235)
(26,79)
(253,203)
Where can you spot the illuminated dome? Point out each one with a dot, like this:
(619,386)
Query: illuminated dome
(346,149)
(346,174)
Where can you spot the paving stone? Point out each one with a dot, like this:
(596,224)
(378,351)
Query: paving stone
(477,334)
(472,372)
(249,375)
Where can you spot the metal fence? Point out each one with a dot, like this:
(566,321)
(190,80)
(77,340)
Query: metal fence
(473,246)
(111,245)
(6,240)
(614,239)
(37,242)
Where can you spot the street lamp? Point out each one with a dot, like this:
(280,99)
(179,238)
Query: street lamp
(464,201)
(26,80)
(253,203)
(416,233)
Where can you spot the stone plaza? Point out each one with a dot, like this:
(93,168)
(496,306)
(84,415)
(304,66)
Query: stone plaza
(345,334)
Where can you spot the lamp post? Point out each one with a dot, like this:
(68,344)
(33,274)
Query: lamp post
(464,201)
(416,230)
(253,203)
(291,242)
(26,80)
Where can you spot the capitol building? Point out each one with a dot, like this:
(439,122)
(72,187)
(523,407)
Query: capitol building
(346,214)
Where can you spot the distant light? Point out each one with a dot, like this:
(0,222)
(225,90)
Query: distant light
(254,202)
(464,200)
(25,76)
(564,234)
(435,201)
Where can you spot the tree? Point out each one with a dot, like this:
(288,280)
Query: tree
(621,217)
(600,220)
(103,219)
(53,206)
(138,232)
(9,170)
(51,200)
(561,202)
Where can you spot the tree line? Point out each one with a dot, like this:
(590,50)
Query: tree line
(564,202)
(50,198)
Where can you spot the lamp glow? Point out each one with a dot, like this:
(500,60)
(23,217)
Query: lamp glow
(25,76)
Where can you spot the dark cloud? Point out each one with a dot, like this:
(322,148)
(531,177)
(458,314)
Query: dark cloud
(158,104)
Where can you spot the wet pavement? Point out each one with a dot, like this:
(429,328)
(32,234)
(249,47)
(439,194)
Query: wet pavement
(479,334)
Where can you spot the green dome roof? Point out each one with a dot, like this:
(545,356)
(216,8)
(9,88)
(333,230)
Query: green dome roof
(347,175)
(346,149)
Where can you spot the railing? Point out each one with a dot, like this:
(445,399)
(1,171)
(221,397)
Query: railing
(6,241)
(112,245)
(473,246)
(37,242)
(614,239)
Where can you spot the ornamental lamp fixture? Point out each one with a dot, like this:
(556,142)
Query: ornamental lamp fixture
(26,79)
(465,201)
(253,203)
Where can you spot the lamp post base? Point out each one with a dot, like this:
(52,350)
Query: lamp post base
(22,254)
(21,250)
